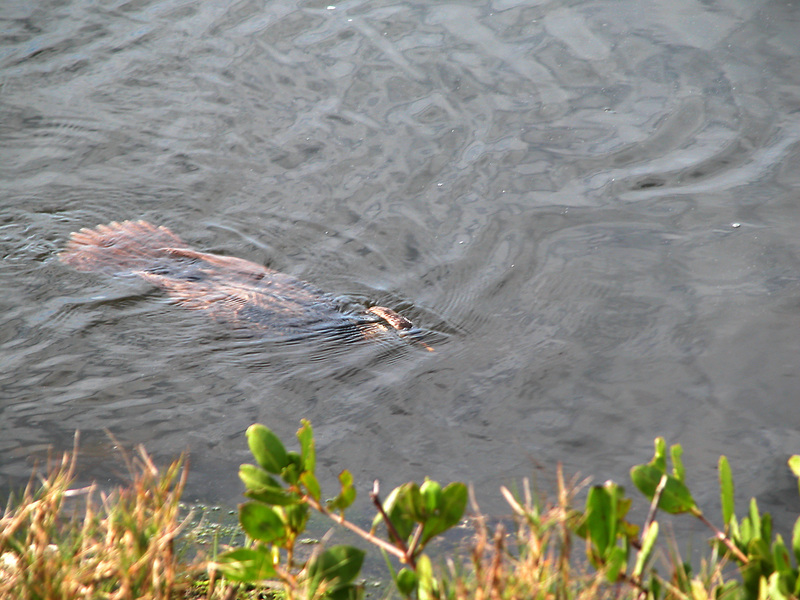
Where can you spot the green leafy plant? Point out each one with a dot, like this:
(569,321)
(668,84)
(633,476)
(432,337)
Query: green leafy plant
(283,489)
(622,553)
(59,542)
(764,562)
(610,536)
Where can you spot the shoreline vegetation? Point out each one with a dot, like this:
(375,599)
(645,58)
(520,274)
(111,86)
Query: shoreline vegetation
(62,542)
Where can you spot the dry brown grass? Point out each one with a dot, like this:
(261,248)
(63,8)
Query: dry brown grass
(534,562)
(57,542)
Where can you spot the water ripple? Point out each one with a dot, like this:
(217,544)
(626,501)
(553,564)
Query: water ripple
(587,209)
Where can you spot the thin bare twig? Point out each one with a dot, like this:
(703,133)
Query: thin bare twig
(724,539)
(651,515)
(383,544)
(408,557)
(412,549)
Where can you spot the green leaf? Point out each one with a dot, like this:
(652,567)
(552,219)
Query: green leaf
(760,556)
(267,448)
(646,551)
(766,527)
(776,588)
(431,492)
(406,581)
(615,563)
(410,503)
(262,487)
(273,496)
(307,447)
(747,532)
(448,513)
(261,522)
(655,588)
(388,504)
(780,556)
(246,565)
(347,494)
(296,517)
(394,507)
(291,472)
(759,561)
(676,452)
(311,484)
(427,588)
(337,566)
(600,519)
(754,516)
(660,457)
(453,502)
(675,497)
(761,525)
(627,529)
(735,533)
(796,541)
(796,591)
(794,465)
(726,491)
(348,592)
(256,478)
(623,504)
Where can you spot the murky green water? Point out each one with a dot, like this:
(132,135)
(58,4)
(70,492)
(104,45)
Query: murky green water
(592,206)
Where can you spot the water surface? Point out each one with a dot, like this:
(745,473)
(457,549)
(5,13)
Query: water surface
(592,206)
